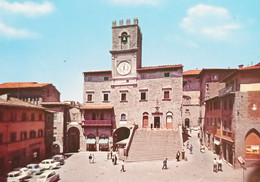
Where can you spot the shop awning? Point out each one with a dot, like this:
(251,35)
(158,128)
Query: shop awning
(91,141)
(125,141)
(103,141)
(216,142)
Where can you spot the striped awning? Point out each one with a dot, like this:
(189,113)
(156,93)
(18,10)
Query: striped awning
(103,141)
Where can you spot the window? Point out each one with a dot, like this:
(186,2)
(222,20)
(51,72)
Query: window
(169,117)
(40,133)
(143,95)
(89,78)
(123,117)
(124,37)
(105,97)
(166,94)
(105,78)
(89,97)
(24,117)
(143,76)
(167,74)
(13,117)
(23,135)
(12,137)
(123,96)
(32,134)
(214,77)
(40,117)
(32,117)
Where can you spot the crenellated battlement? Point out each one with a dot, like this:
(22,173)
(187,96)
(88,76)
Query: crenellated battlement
(128,22)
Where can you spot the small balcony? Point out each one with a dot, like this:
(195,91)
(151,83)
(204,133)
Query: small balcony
(87,123)
(226,90)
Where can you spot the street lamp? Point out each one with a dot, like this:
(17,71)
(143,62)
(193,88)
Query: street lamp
(254,108)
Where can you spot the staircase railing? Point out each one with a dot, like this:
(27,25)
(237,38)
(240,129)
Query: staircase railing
(131,136)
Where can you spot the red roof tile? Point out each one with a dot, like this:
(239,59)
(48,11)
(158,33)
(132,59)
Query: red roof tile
(160,67)
(23,85)
(250,67)
(192,72)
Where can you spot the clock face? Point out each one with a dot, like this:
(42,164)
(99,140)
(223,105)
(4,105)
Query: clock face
(123,68)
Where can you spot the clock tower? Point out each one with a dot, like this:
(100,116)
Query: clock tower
(126,52)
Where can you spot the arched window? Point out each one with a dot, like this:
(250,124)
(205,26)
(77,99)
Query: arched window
(124,37)
(145,120)
(169,117)
(123,117)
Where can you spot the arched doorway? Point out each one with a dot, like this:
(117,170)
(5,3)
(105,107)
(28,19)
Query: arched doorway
(120,134)
(73,139)
(91,142)
(187,122)
(252,145)
(145,120)
(56,149)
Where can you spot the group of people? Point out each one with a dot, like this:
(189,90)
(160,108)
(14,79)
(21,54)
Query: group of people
(91,158)
(217,164)
(113,156)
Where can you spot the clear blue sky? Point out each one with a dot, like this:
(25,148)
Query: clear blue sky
(56,41)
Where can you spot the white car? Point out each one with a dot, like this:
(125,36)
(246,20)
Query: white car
(49,164)
(35,168)
(59,158)
(48,176)
(24,172)
(15,176)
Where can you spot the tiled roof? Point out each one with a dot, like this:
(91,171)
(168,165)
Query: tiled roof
(192,72)
(14,102)
(96,107)
(56,103)
(23,85)
(160,67)
(250,67)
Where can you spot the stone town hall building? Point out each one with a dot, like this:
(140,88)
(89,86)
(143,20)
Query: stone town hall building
(129,94)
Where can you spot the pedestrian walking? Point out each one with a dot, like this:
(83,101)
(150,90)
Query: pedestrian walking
(93,158)
(122,166)
(178,156)
(164,164)
(191,147)
(215,164)
(111,153)
(90,158)
(115,159)
(220,163)
(188,144)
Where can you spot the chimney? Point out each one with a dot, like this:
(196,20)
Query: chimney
(240,66)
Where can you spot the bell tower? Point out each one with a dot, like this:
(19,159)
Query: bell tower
(126,51)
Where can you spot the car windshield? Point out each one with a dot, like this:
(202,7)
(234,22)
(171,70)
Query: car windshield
(36,166)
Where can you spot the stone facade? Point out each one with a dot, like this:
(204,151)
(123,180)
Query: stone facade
(138,95)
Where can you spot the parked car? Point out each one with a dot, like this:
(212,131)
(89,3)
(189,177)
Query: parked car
(48,176)
(49,164)
(15,176)
(59,158)
(195,128)
(24,171)
(35,168)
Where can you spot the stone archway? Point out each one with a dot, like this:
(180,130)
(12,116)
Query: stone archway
(187,123)
(252,145)
(73,139)
(120,134)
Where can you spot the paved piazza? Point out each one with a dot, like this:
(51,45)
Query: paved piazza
(198,168)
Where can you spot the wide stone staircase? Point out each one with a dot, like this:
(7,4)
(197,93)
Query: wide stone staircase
(154,145)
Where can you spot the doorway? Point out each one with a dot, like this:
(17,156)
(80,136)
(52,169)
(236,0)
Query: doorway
(157,122)
(187,122)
